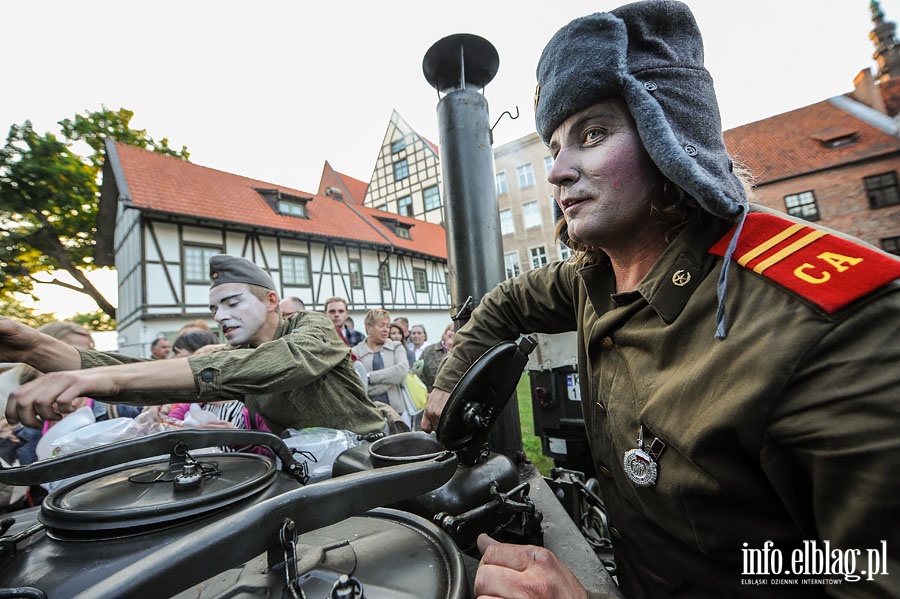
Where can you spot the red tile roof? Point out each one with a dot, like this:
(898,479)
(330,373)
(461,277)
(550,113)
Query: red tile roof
(353,189)
(165,184)
(797,142)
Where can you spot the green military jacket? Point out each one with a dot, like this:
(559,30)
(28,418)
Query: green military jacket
(787,432)
(302,378)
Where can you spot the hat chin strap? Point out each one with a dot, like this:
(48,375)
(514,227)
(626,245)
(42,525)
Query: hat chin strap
(722,285)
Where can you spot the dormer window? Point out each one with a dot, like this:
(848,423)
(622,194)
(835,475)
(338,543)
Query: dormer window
(399,229)
(289,208)
(284,203)
(836,137)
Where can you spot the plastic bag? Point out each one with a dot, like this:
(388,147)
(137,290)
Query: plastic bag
(197,416)
(104,432)
(417,390)
(318,447)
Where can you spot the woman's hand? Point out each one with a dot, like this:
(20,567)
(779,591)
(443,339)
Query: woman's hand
(523,572)
(437,399)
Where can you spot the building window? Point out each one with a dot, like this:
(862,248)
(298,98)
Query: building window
(384,275)
(526,175)
(289,208)
(402,232)
(398,145)
(404,206)
(802,205)
(506,223)
(401,170)
(565,252)
(512,264)
(532,214)
(196,263)
(420,280)
(432,197)
(295,270)
(548,164)
(356,274)
(500,182)
(538,256)
(881,190)
(891,245)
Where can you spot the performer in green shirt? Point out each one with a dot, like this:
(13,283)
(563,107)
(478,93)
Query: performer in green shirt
(295,372)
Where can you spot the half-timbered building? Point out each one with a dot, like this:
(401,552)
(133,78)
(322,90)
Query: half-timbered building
(161,218)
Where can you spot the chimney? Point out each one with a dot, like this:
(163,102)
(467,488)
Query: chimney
(866,92)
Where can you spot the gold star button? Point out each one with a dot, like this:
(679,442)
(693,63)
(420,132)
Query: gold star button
(681,278)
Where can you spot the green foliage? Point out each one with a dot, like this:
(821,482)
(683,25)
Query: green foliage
(531,443)
(97,320)
(11,308)
(49,199)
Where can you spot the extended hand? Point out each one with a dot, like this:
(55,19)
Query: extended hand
(437,399)
(16,340)
(523,572)
(53,395)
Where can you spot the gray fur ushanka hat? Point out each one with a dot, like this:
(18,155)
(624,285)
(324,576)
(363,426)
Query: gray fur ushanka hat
(651,55)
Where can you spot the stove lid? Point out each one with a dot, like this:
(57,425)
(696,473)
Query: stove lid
(153,494)
(480,395)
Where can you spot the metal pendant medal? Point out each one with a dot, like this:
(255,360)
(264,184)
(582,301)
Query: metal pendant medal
(640,465)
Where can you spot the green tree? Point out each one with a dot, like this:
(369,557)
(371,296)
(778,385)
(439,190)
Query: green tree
(97,320)
(11,308)
(49,199)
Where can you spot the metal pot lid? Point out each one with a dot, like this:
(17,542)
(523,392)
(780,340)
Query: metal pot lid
(152,494)
(480,395)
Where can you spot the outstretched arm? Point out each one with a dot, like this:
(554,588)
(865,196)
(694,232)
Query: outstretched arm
(51,396)
(21,343)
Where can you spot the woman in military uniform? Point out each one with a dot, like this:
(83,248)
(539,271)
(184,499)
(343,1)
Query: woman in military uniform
(738,367)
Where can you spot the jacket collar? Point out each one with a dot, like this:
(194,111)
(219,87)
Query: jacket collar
(682,267)
(672,280)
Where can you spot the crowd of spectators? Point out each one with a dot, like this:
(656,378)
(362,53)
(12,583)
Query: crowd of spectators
(389,358)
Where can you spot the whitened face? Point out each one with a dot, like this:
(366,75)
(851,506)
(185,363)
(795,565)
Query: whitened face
(604,178)
(240,314)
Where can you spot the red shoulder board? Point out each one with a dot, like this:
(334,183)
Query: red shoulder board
(825,269)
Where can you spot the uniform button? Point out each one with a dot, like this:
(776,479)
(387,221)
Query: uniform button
(600,406)
(615,532)
(607,343)
(649,86)
(207,376)
(605,471)
(691,150)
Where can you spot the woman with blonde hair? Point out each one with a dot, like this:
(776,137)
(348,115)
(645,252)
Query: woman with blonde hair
(385,360)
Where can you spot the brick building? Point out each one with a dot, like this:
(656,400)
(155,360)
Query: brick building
(836,161)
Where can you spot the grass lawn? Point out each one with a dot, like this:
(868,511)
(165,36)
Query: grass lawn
(530,442)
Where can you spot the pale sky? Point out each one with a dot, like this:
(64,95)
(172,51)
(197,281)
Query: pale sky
(273,89)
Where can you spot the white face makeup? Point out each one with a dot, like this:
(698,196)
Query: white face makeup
(604,178)
(240,314)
